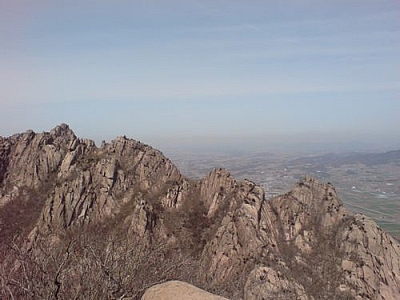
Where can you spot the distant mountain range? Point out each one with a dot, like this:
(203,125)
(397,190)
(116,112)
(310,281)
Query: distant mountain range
(337,160)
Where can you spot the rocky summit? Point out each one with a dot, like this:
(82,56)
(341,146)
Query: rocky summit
(120,221)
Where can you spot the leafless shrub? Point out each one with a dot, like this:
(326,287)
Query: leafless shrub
(89,265)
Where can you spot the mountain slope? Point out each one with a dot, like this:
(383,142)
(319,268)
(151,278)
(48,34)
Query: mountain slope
(82,222)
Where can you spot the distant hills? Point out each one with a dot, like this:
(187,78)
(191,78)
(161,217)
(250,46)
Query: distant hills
(337,160)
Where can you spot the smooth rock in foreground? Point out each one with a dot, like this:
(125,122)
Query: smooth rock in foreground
(176,290)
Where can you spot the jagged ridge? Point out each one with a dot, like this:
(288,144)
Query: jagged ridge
(222,234)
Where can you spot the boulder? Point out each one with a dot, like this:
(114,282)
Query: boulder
(178,290)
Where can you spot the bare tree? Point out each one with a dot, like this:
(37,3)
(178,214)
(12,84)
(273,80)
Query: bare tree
(83,266)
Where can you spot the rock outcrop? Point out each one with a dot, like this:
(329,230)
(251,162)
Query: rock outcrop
(177,290)
(125,212)
(78,181)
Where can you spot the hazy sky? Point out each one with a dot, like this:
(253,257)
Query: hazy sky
(180,71)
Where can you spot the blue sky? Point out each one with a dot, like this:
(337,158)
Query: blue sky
(174,72)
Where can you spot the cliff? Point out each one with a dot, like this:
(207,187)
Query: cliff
(86,222)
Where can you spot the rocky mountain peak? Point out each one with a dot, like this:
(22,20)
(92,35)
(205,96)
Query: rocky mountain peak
(62,130)
(122,218)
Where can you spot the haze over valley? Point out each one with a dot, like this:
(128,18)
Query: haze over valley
(250,149)
(222,74)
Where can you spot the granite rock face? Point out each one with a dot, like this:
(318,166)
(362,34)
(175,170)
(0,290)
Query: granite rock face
(218,233)
(80,182)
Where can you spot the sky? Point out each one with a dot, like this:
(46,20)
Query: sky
(178,73)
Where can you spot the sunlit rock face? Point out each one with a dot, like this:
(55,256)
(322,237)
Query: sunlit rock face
(126,204)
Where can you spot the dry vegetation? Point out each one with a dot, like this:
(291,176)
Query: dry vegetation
(90,264)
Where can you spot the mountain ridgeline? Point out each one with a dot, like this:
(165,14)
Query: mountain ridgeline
(84,222)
